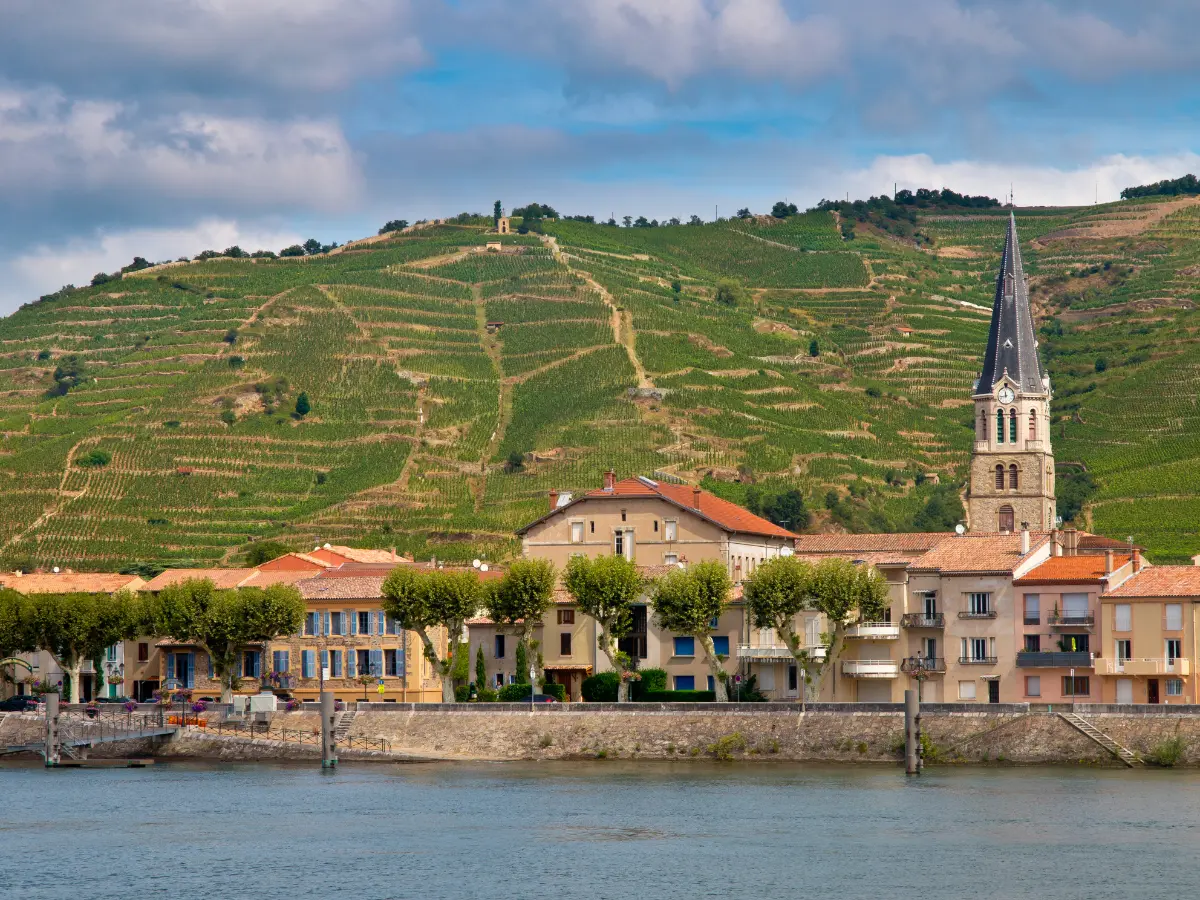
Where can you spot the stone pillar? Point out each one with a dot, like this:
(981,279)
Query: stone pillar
(912,734)
(328,739)
(52,751)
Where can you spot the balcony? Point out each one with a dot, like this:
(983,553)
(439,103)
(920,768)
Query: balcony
(985,614)
(1033,620)
(916,664)
(870,668)
(1110,666)
(1033,659)
(874,631)
(1060,620)
(917,620)
(977,660)
(776,652)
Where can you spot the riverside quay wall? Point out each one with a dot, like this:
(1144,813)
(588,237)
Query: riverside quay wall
(845,733)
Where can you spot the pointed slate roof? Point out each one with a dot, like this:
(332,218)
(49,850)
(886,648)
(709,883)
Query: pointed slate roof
(1011,348)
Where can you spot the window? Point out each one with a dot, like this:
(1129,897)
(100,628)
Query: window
(1033,643)
(1079,686)
(392,626)
(656,526)
(1007,519)
(1174,650)
(499,679)
(1033,685)
(564,644)
(1076,643)
(1012,476)
(335,663)
(670,530)
(721,644)
(685,646)
(312,624)
(930,600)
(670,559)
(250,664)
(279,661)
(593,526)
(1033,609)
(362,662)
(979,604)
(622,515)
(566,617)
(364,622)
(499,646)
(685,682)
(982,427)
(1174,687)
(1075,608)
(966,690)
(793,678)
(337,623)
(1123,619)
(999,428)
(392,663)
(999,478)
(1032,425)
(1124,650)
(977,649)
(619,544)
(1174,617)
(143,652)
(710,685)
(576,532)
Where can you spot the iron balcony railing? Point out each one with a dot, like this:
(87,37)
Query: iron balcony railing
(977,660)
(1033,620)
(1062,659)
(1064,620)
(914,665)
(984,614)
(919,620)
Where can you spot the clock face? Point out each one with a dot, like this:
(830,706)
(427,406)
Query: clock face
(1005,395)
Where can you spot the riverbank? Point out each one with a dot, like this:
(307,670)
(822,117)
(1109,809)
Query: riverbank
(843,733)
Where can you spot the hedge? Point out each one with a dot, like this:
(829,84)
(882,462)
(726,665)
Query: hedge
(514,693)
(680,697)
(557,691)
(652,681)
(601,688)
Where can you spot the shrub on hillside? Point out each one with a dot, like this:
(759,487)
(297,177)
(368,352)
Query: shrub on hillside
(601,688)
(97,459)
(729,292)
(294,250)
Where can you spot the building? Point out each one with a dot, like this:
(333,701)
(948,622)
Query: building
(1148,628)
(1012,466)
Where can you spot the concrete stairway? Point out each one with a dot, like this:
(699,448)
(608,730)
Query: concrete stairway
(1082,725)
(341,728)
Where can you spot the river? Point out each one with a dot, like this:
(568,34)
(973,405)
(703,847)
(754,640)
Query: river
(596,830)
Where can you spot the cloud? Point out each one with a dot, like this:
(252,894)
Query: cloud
(46,267)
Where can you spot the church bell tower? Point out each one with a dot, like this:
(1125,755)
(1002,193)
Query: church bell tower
(1012,467)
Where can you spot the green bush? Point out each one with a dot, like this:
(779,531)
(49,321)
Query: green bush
(680,697)
(97,459)
(462,693)
(514,693)
(652,680)
(487,695)
(1169,753)
(601,688)
(557,691)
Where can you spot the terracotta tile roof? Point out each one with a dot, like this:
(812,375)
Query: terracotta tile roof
(70,583)
(369,556)
(358,570)
(840,544)
(1160,581)
(222,578)
(1100,542)
(722,513)
(979,553)
(367,587)
(879,559)
(294,562)
(1071,570)
(261,579)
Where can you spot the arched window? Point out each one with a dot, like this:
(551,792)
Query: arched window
(1012,476)
(999,426)
(1007,519)
(983,426)
(1033,425)
(999,478)
(1012,426)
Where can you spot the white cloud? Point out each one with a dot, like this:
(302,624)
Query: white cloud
(46,268)
(49,143)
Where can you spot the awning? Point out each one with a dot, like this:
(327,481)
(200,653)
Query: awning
(571,667)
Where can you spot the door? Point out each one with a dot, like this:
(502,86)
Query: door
(1124,690)
(993,691)
(1152,690)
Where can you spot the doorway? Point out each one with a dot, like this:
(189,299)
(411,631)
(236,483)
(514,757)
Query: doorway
(1152,690)
(1124,690)
(993,691)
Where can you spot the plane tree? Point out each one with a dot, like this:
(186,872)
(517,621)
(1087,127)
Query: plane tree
(688,601)
(605,588)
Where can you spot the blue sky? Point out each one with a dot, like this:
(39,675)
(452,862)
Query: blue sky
(165,127)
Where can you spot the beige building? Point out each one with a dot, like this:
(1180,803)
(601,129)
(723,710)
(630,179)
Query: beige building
(1148,633)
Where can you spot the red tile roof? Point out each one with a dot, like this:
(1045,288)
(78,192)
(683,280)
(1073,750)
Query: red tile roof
(361,588)
(222,578)
(70,583)
(721,513)
(982,553)
(1160,581)
(1070,570)
(840,544)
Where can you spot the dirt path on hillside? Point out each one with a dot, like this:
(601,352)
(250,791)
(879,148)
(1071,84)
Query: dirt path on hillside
(491,346)
(1126,226)
(622,320)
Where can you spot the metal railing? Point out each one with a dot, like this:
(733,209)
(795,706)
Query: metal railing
(977,660)
(919,620)
(264,732)
(917,664)
(985,614)
(1062,659)
(1062,620)
(874,630)
(1033,620)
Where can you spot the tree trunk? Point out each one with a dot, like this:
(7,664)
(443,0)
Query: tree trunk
(531,656)
(714,668)
(72,671)
(800,655)
(443,669)
(606,644)
(831,655)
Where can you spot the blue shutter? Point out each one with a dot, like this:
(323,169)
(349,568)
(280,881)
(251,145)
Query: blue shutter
(381,622)
(324,659)
(353,614)
(307,660)
(170,667)
(400,654)
(351,663)
(257,664)
(376,662)
(191,670)
(345,621)
(328,622)
(711,686)
(721,644)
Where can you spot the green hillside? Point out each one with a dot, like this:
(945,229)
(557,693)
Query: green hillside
(151,418)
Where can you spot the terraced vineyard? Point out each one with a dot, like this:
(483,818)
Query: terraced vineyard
(432,366)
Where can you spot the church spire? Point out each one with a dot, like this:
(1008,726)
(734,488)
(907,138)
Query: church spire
(1012,348)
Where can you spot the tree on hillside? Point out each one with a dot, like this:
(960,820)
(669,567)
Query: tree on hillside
(942,511)
(68,374)
(422,600)
(729,292)
(787,510)
(628,220)
(744,213)
(303,407)
(225,623)
(520,599)
(74,628)
(604,588)
(260,552)
(235,252)
(695,220)
(394,225)
(294,250)
(497,212)
(312,247)
(782,209)
(688,601)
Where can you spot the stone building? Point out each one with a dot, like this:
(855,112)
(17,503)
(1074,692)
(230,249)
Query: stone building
(1012,467)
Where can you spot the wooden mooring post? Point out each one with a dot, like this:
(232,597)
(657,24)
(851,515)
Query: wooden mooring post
(52,751)
(328,737)
(912,734)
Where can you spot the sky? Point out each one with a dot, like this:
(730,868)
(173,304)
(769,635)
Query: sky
(160,128)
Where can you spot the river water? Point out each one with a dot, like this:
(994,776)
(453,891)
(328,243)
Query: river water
(596,830)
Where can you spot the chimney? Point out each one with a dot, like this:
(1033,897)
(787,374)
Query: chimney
(695,497)
(554,500)
(1055,543)
(1070,542)
(1024,539)
(610,480)
(1108,562)
(1137,559)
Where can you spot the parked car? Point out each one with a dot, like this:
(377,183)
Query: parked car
(540,698)
(18,704)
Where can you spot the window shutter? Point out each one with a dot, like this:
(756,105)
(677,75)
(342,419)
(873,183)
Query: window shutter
(329,622)
(346,626)
(351,663)
(191,670)
(306,663)
(376,662)
(170,666)
(257,664)
(400,655)
(211,672)
(353,613)
(324,659)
